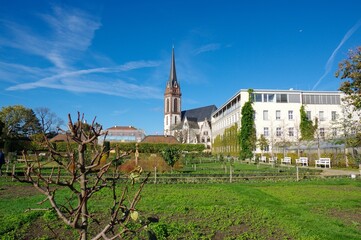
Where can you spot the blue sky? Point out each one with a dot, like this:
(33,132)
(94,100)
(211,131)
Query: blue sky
(111,59)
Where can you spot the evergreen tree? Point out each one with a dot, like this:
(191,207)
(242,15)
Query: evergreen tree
(247,136)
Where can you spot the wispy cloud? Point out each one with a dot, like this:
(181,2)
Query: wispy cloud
(331,59)
(206,48)
(96,84)
(69,35)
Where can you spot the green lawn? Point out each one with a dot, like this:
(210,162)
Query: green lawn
(310,209)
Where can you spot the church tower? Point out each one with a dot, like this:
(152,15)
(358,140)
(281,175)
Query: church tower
(172,100)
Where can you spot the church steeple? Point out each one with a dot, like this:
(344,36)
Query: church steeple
(172,81)
(172,100)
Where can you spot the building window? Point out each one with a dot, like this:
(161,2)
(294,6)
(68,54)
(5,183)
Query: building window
(308,113)
(265,132)
(175,105)
(278,132)
(265,115)
(205,133)
(167,107)
(321,115)
(290,115)
(291,131)
(166,120)
(281,98)
(266,148)
(278,114)
(322,132)
(334,132)
(333,116)
(257,97)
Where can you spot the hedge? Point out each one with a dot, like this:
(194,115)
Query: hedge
(156,147)
(142,147)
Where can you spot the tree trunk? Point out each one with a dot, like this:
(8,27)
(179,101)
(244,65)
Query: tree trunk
(84,197)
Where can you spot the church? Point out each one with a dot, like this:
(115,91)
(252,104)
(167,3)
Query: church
(188,126)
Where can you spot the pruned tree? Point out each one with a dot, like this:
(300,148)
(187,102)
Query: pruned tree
(247,135)
(81,173)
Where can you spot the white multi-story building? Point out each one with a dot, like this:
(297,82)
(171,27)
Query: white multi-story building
(277,113)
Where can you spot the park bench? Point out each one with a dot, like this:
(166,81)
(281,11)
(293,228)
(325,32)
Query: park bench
(272,160)
(303,161)
(286,160)
(326,162)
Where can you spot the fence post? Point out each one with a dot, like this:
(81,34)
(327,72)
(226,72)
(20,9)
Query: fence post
(13,173)
(230,173)
(155,175)
(297,173)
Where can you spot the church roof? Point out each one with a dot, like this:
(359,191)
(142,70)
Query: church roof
(199,113)
(192,123)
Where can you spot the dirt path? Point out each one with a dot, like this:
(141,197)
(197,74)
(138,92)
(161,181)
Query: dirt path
(339,172)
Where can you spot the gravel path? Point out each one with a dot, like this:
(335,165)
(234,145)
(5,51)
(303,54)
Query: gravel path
(339,172)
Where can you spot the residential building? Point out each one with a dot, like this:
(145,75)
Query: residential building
(277,113)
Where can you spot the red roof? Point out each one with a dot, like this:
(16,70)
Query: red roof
(60,138)
(160,139)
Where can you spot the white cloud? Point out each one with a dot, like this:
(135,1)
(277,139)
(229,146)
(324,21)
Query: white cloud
(331,59)
(207,48)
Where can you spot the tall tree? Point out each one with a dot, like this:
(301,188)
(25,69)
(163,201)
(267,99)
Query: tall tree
(17,122)
(349,70)
(247,136)
(49,121)
(307,128)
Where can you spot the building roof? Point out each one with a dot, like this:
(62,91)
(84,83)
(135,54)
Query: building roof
(60,138)
(122,128)
(200,114)
(160,139)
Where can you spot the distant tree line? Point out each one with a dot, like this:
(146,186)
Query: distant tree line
(20,125)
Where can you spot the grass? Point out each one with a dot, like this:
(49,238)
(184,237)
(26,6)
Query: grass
(312,209)
(273,209)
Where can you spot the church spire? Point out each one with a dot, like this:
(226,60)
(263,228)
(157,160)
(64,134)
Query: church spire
(172,81)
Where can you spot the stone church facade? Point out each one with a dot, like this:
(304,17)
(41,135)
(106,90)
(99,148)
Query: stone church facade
(188,126)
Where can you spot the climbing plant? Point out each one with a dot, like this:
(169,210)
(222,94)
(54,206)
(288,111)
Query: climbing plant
(247,135)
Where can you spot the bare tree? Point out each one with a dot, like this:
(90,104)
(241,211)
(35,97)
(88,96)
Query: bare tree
(83,175)
(49,121)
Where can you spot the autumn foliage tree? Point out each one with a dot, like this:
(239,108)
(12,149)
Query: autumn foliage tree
(349,70)
(82,173)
